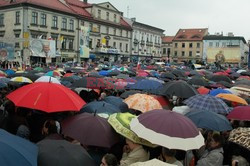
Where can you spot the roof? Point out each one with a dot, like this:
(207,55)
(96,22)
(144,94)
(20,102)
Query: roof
(125,24)
(216,37)
(78,3)
(167,39)
(191,34)
(135,23)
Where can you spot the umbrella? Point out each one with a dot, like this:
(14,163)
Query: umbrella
(243,82)
(153,162)
(178,73)
(178,88)
(198,81)
(90,130)
(217,78)
(103,73)
(117,101)
(145,84)
(63,153)
(38,69)
(209,120)
(4,80)
(142,102)
(122,76)
(128,93)
(100,107)
(94,83)
(225,84)
(242,90)
(48,79)
(21,80)
(31,76)
(114,73)
(16,150)
(48,97)
(203,91)
(3,85)
(207,103)
(240,136)
(240,71)
(235,75)
(168,75)
(123,69)
(9,72)
(233,98)
(240,113)
(168,129)
(53,73)
(2,74)
(121,124)
(217,91)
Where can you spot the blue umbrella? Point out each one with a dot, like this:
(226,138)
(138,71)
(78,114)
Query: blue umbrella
(9,72)
(15,150)
(103,73)
(145,84)
(117,101)
(100,107)
(209,120)
(3,85)
(207,103)
(215,92)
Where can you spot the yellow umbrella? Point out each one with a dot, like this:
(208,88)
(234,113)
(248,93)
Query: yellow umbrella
(233,98)
(21,80)
(142,102)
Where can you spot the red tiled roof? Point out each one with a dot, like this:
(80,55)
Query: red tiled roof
(78,3)
(80,11)
(190,34)
(125,24)
(167,39)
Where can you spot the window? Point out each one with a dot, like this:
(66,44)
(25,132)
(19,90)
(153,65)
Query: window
(126,47)
(114,31)
(98,28)
(217,44)
(107,16)
(190,45)
(210,44)
(114,44)
(18,17)
(43,19)
(54,21)
(198,45)
(183,53)
(71,44)
(224,44)
(159,39)
(107,30)
(183,45)
(71,25)
(121,47)
(99,13)
(1,19)
(164,50)
(91,26)
(175,53)
(34,18)
(114,17)
(17,45)
(197,53)
(175,45)
(17,35)
(121,32)
(54,37)
(190,53)
(82,22)
(64,23)
(151,37)
(64,44)
(107,43)
(98,43)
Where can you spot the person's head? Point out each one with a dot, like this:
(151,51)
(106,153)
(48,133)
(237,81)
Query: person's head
(49,127)
(240,160)
(132,145)
(216,141)
(168,152)
(109,160)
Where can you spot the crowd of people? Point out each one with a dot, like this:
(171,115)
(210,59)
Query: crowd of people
(35,126)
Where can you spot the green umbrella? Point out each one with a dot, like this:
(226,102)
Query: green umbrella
(121,124)
(38,69)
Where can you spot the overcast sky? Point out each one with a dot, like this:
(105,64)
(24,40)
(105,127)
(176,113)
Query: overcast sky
(171,15)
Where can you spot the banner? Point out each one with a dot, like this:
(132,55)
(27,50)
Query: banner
(84,42)
(6,51)
(43,48)
(224,55)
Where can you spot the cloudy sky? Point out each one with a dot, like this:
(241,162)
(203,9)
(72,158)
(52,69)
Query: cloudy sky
(217,15)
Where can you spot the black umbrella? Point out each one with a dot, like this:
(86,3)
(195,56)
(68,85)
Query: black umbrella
(168,75)
(243,82)
(235,75)
(114,73)
(246,73)
(32,77)
(100,107)
(178,88)
(126,94)
(198,81)
(117,101)
(225,84)
(63,153)
(122,76)
(178,73)
(217,78)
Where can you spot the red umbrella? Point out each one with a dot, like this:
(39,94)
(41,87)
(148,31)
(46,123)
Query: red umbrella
(240,113)
(46,96)
(203,91)
(68,74)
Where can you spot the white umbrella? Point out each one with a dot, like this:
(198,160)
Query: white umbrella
(181,109)
(153,162)
(240,71)
(48,79)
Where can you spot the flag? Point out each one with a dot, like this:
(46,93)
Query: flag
(50,38)
(61,39)
(103,41)
(40,37)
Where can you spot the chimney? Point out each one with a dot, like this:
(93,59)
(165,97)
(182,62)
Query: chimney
(133,19)
(85,1)
(231,34)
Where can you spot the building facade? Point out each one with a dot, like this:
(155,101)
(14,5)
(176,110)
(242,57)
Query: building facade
(79,30)
(146,41)
(167,48)
(226,49)
(188,45)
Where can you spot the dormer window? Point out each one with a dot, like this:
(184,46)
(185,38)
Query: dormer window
(195,36)
(181,37)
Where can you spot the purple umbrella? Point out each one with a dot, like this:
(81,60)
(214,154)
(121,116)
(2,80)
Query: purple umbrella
(90,129)
(168,129)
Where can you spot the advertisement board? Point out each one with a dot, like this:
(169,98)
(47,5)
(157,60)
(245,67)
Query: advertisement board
(223,55)
(6,51)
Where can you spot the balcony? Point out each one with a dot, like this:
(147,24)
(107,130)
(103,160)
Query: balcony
(148,43)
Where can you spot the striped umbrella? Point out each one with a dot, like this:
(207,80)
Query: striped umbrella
(2,74)
(21,80)
(53,73)
(142,102)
